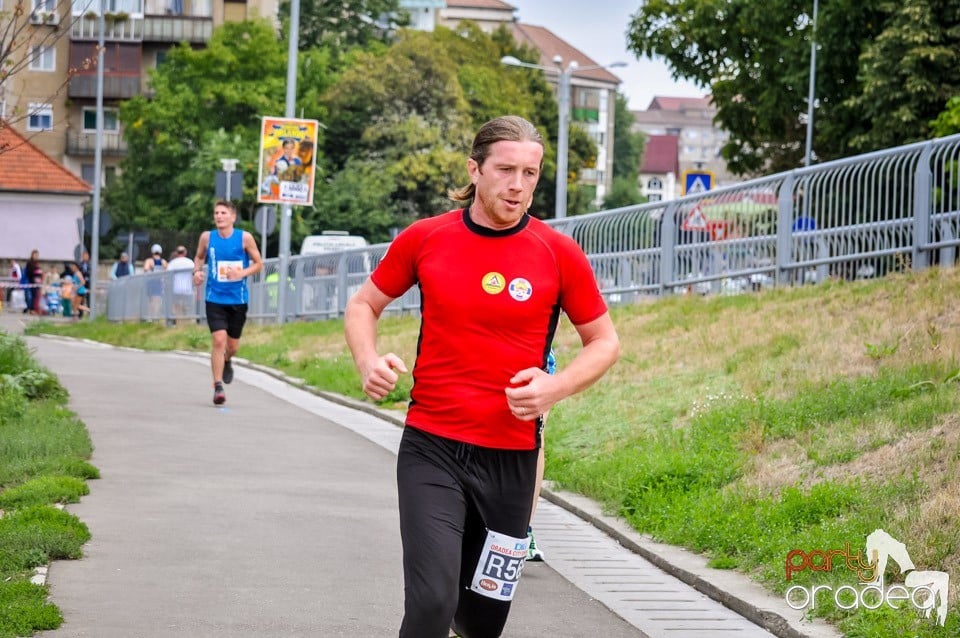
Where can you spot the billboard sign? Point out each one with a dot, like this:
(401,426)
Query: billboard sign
(287,161)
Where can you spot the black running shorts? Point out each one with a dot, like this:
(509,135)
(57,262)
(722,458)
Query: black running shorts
(229,317)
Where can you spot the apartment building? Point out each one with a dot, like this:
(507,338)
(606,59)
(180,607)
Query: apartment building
(52,101)
(687,122)
(592,92)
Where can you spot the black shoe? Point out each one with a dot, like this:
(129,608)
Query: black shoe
(227,371)
(219,398)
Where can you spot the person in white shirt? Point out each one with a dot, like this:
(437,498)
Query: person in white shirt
(184,297)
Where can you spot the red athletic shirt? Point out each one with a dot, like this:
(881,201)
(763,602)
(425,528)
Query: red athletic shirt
(490,301)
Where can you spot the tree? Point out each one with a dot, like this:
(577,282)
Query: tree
(411,111)
(627,157)
(947,122)
(908,72)
(404,111)
(207,104)
(756,58)
(357,199)
(343,24)
(628,144)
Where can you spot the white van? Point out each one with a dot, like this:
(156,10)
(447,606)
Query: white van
(331,241)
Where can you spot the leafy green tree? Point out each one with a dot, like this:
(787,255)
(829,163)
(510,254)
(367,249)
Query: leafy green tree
(344,24)
(623,192)
(948,122)
(412,110)
(756,58)
(628,144)
(357,199)
(207,104)
(404,111)
(908,72)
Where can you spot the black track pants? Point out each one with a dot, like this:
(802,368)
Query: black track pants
(450,493)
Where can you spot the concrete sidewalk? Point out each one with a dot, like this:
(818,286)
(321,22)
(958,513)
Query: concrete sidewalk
(275,515)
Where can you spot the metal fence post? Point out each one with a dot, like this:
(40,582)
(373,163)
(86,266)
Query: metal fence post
(668,245)
(785,227)
(922,207)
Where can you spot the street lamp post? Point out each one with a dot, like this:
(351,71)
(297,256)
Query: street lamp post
(812,87)
(564,76)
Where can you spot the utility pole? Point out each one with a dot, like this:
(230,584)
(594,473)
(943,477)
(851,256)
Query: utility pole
(286,210)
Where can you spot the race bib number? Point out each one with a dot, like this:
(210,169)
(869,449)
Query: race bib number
(501,562)
(224,266)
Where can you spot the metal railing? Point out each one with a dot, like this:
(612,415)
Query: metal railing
(860,217)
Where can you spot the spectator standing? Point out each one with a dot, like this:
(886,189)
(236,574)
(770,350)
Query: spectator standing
(225,257)
(493,281)
(85,272)
(81,289)
(32,281)
(122,268)
(155,264)
(184,294)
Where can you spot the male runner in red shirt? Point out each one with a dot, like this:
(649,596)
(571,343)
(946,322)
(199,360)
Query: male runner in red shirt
(493,281)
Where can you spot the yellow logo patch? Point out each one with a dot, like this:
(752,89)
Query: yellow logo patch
(493,283)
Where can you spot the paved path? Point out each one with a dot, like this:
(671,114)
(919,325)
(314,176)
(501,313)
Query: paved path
(275,515)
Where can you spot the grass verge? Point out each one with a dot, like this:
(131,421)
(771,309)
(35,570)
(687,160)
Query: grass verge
(43,462)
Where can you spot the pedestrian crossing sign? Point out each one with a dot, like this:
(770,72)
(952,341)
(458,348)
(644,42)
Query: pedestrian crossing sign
(697,182)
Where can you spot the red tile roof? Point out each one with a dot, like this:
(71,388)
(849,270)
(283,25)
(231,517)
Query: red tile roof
(550,45)
(661,155)
(25,168)
(679,103)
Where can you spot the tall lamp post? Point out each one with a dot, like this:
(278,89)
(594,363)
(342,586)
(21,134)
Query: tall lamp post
(564,76)
(812,87)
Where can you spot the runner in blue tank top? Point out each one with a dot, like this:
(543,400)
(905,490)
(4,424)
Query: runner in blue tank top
(226,256)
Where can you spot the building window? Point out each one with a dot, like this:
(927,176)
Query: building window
(43,58)
(692,134)
(86,172)
(40,118)
(161,58)
(654,184)
(111,121)
(673,130)
(45,5)
(3,109)
(83,7)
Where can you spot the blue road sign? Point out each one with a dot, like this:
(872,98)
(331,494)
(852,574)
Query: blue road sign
(697,182)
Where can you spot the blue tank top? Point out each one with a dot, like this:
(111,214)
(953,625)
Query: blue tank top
(222,253)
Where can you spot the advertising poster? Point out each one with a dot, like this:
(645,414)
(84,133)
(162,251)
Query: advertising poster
(287,161)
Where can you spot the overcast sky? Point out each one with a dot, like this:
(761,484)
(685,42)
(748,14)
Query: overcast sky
(598,28)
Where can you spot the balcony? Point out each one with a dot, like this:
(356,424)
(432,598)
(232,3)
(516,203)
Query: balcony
(177,28)
(115,86)
(51,18)
(116,26)
(111,144)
